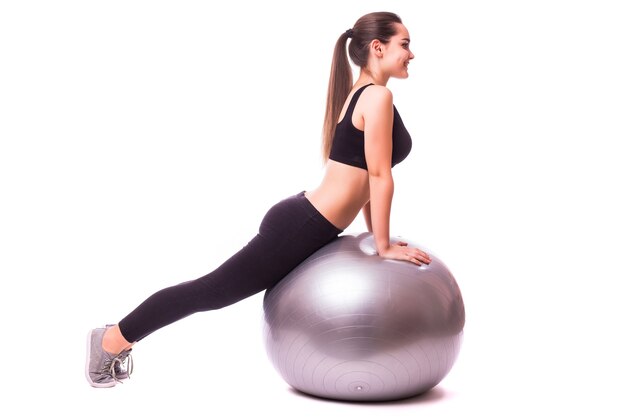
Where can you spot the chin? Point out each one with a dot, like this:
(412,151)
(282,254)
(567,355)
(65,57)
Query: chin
(403,73)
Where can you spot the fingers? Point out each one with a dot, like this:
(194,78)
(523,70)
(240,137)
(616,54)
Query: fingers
(418,257)
(413,259)
(401,251)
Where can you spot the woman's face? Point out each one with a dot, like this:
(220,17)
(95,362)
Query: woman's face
(396,53)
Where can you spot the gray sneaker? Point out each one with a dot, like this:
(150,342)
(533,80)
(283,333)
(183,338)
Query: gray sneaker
(100,367)
(124,367)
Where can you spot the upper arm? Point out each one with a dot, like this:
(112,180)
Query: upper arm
(378,126)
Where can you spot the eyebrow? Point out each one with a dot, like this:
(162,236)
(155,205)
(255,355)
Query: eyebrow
(406,39)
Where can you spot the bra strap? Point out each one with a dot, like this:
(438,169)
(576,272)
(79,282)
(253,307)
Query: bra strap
(355,98)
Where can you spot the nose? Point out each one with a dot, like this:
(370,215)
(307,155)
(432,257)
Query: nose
(411,56)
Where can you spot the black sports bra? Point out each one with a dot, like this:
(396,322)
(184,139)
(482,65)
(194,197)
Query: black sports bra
(349,142)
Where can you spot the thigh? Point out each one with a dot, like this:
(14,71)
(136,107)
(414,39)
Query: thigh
(289,233)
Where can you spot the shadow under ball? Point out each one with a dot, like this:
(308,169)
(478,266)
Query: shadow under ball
(347,324)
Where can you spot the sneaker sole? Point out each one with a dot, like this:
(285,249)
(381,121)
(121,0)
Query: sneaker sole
(91,382)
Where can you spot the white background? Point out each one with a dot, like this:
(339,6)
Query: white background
(143,141)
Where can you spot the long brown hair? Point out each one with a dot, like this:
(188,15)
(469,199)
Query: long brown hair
(378,25)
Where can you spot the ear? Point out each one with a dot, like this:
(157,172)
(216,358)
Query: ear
(376,48)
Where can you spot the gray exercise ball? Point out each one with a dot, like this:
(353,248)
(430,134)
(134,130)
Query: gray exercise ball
(347,324)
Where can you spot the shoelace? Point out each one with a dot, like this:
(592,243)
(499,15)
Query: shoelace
(108,368)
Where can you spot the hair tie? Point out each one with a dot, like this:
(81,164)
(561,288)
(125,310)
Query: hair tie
(350,32)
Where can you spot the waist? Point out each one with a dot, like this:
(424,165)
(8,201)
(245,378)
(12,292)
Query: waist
(313,211)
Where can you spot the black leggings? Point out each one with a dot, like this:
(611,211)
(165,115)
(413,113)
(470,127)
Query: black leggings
(289,233)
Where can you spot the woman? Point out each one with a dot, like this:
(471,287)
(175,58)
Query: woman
(363,138)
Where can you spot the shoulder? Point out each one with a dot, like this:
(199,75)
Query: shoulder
(376,98)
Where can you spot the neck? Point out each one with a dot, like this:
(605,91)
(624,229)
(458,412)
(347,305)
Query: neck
(366,77)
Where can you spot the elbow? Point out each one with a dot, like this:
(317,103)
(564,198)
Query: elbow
(383,171)
(381,179)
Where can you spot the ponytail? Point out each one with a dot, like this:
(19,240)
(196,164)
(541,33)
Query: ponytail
(339,86)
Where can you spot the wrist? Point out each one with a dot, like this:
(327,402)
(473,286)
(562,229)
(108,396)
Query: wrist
(382,247)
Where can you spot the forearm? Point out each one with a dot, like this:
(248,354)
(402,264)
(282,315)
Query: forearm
(381,194)
(367,216)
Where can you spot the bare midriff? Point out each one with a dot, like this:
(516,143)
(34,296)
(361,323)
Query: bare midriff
(343,192)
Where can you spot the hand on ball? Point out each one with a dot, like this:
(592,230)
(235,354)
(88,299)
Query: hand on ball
(403,252)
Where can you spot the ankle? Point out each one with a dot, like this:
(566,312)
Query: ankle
(113,342)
